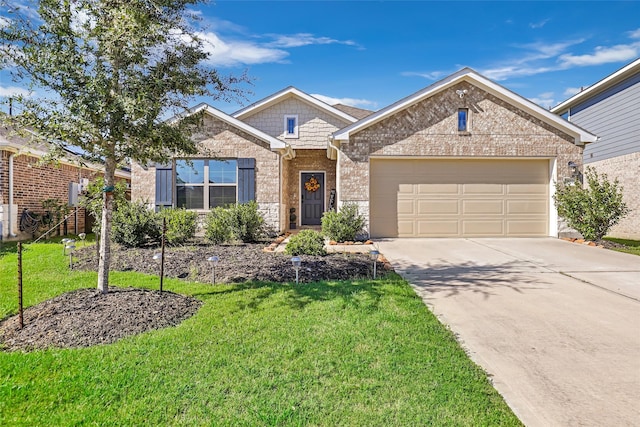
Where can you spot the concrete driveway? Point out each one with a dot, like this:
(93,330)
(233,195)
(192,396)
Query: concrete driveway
(556,325)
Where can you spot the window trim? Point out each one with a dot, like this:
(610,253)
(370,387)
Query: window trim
(466,122)
(287,117)
(205,185)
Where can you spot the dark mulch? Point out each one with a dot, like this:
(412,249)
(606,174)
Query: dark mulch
(86,317)
(238,263)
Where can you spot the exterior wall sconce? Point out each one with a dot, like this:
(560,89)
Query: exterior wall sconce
(575,171)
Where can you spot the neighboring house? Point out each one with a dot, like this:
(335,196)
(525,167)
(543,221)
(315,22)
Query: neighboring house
(462,157)
(25,183)
(609,109)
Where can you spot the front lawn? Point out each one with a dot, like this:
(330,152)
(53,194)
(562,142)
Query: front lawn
(327,353)
(628,246)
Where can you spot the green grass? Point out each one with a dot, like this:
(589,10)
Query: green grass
(329,353)
(631,246)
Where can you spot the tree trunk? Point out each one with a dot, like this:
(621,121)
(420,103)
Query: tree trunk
(105,230)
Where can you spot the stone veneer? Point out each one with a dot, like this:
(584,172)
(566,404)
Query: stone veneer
(428,129)
(218,139)
(314,125)
(625,169)
(306,161)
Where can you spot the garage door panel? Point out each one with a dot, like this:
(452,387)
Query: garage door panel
(526,228)
(527,189)
(483,227)
(459,198)
(479,207)
(451,189)
(406,207)
(437,227)
(482,188)
(526,207)
(431,206)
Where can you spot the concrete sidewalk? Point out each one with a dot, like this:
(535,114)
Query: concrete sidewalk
(555,324)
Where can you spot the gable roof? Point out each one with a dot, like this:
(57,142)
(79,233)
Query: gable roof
(358,113)
(599,87)
(274,143)
(292,92)
(467,74)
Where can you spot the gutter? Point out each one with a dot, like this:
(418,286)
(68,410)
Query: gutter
(332,148)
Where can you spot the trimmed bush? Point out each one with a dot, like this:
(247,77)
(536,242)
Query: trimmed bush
(234,223)
(592,210)
(306,242)
(134,225)
(181,225)
(344,225)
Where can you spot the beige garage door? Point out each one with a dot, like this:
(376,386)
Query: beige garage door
(459,198)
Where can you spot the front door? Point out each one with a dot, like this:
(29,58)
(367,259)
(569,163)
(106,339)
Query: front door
(312,198)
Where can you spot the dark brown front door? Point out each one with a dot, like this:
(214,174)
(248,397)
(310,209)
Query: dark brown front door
(312,198)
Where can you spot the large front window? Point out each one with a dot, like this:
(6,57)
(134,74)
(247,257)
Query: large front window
(206,183)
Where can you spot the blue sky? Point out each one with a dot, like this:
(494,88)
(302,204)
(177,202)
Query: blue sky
(370,54)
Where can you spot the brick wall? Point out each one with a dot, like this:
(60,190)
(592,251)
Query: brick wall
(218,139)
(429,129)
(33,183)
(314,124)
(308,161)
(625,169)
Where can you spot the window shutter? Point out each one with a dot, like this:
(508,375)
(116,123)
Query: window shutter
(164,185)
(246,180)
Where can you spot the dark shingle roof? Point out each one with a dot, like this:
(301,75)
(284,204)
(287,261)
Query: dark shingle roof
(358,113)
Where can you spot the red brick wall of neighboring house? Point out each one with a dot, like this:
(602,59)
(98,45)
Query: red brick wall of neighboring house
(33,183)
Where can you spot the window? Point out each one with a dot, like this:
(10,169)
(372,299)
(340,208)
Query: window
(219,188)
(291,126)
(463,120)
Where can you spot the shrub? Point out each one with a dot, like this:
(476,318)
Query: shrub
(592,210)
(92,200)
(306,242)
(134,225)
(181,225)
(344,225)
(234,223)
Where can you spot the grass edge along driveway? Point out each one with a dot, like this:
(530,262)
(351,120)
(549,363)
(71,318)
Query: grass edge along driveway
(327,353)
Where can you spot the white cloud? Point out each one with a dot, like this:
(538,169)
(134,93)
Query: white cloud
(234,52)
(540,24)
(433,75)
(544,100)
(10,91)
(602,55)
(305,39)
(634,34)
(362,103)
(570,91)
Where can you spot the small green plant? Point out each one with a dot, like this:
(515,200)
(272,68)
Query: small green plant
(181,225)
(344,225)
(306,242)
(593,210)
(234,223)
(134,225)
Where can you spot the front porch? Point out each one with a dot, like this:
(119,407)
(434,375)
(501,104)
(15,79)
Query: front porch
(308,187)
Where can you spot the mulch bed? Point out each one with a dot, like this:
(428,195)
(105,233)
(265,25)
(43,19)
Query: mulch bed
(86,317)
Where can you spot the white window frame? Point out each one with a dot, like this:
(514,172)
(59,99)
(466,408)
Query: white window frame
(287,117)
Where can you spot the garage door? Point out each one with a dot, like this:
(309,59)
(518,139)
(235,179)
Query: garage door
(459,198)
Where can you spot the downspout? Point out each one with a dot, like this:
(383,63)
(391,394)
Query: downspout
(10,229)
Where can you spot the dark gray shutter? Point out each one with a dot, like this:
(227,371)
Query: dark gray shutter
(246,180)
(164,185)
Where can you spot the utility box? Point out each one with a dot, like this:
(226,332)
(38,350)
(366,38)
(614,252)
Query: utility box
(74,191)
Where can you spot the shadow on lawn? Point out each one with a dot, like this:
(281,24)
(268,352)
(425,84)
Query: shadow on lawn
(353,293)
